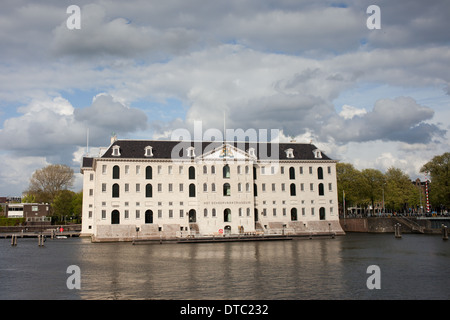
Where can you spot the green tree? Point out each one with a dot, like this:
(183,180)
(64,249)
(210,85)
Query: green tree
(349,180)
(372,187)
(62,205)
(399,192)
(439,171)
(45,183)
(77,205)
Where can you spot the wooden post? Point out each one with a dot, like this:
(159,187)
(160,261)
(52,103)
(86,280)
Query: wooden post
(398,233)
(40,240)
(14,240)
(444,232)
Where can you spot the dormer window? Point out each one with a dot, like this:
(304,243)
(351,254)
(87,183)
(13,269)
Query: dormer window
(289,153)
(148,151)
(317,154)
(251,152)
(116,151)
(190,152)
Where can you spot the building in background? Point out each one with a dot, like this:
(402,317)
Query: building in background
(151,189)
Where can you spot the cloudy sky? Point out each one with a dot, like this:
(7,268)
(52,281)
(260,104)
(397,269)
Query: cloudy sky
(312,69)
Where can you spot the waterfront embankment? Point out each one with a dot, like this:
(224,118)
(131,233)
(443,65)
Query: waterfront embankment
(425,225)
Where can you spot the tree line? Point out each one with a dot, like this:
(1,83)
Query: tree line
(367,187)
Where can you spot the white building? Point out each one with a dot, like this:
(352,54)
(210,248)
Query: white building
(150,189)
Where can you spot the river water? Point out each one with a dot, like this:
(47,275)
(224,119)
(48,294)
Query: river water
(413,267)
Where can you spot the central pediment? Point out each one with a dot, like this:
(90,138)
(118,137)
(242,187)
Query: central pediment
(226,152)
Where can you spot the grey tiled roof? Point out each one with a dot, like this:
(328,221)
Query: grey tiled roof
(162,149)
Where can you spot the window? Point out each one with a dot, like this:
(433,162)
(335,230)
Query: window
(283,187)
(294,214)
(148,151)
(321,191)
(190,152)
(213,170)
(103,214)
(247,187)
(159,187)
(181,187)
(291,173)
(116,151)
(240,212)
(226,171)
(317,153)
(330,187)
(191,173)
(148,191)
(310,170)
(205,169)
(329,170)
(205,187)
(247,170)
(192,190)
(255,191)
(103,187)
(205,212)
(227,215)
(170,187)
(138,169)
(226,189)
(239,170)
(248,212)
(213,212)
(282,170)
(104,169)
(320,173)
(254,173)
(127,187)
(311,186)
(289,153)
(115,190)
(148,172)
(138,214)
(293,193)
(116,172)
(213,187)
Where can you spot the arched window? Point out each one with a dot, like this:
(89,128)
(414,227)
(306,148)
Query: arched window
(148,191)
(192,190)
(115,217)
(294,214)
(213,187)
(149,216)
(226,171)
(293,193)
(205,187)
(213,170)
(148,172)
(227,215)
(115,190)
(322,213)
(205,169)
(254,173)
(205,212)
(191,173)
(321,190)
(320,173)
(192,216)
(291,173)
(116,172)
(226,189)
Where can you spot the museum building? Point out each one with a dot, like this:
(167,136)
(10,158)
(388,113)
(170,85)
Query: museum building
(155,189)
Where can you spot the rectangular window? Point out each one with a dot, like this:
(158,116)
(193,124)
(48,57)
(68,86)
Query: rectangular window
(170,169)
(181,213)
(159,213)
(91,176)
(127,215)
(138,187)
(138,169)
(170,213)
(127,187)
(330,187)
(311,186)
(329,170)
(127,169)
(104,169)
(181,187)
(170,187)
(103,187)
(138,214)
(103,214)
(273,187)
(159,187)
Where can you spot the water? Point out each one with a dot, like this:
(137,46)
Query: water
(414,267)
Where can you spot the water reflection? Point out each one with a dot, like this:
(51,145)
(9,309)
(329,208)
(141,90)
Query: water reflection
(411,268)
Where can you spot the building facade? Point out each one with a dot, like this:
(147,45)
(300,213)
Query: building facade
(148,189)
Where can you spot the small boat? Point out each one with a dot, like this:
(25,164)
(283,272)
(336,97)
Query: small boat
(61,237)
